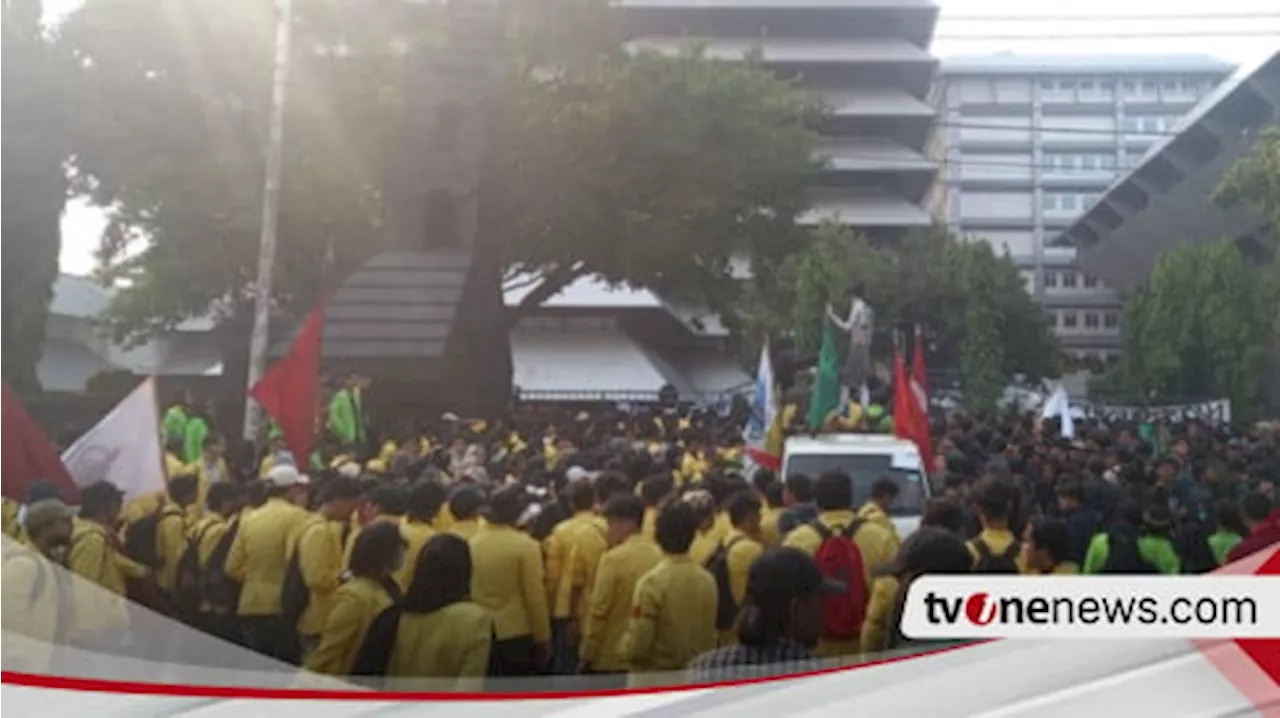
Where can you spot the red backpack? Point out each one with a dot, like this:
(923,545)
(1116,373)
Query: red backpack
(840,560)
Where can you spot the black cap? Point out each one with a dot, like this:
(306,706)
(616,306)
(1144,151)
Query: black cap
(930,550)
(783,573)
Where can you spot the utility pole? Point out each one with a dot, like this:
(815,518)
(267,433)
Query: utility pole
(270,215)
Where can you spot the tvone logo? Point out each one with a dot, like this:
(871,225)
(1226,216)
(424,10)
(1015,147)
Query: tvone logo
(980,609)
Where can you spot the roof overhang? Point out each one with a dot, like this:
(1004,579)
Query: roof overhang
(1165,201)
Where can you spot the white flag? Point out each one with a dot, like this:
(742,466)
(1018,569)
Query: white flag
(123,448)
(1058,405)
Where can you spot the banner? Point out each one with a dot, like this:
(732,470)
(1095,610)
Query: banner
(1213,412)
(123,448)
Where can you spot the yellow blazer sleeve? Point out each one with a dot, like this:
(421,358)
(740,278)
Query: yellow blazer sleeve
(535,593)
(172,537)
(337,641)
(318,559)
(599,606)
(552,550)
(875,628)
(744,554)
(130,568)
(88,556)
(637,642)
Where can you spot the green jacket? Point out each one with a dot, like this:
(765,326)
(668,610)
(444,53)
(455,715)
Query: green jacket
(1157,550)
(174,424)
(345,421)
(193,442)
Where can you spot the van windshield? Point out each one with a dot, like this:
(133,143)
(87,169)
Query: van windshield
(864,469)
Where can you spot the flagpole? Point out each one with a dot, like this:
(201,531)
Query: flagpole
(270,216)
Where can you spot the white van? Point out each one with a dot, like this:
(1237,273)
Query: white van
(865,458)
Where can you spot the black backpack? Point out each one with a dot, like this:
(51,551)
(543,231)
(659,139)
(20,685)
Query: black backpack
(217,588)
(375,653)
(295,595)
(188,587)
(1004,562)
(1123,553)
(141,535)
(718,565)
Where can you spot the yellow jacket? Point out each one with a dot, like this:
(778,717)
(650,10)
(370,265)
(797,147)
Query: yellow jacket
(556,549)
(673,617)
(573,552)
(465,529)
(94,557)
(998,541)
(876,628)
(650,526)
(260,554)
(743,551)
(10,513)
(875,543)
(706,542)
(416,534)
(452,642)
(320,562)
(171,542)
(769,526)
(609,608)
(507,578)
(355,604)
(872,513)
(208,531)
(37,604)
(692,468)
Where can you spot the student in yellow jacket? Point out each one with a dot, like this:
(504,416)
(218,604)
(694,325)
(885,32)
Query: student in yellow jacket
(608,612)
(508,580)
(425,499)
(995,499)
(370,590)
(441,633)
(673,609)
(558,547)
(320,556)
(224,504)
(388,503)
(742,547)
(654,490)
(833,493)
(464,506)
(884,491)
(101,619)
(36,590)
(171,529)
(259,557)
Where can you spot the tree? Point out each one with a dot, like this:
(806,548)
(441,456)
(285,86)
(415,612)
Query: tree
(972,305)
(1255,180)
(645,170)
(35,184)
(1201,326)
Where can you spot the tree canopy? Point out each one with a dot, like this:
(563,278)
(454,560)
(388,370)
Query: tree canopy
(1200,327)
(643,169)
(36,75)
(977,317)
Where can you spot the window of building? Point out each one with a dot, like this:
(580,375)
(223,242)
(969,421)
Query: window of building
(1090,162)
(1068,201)
(1050,279)
(1130,86)
(1049,201)
(1131,124)
(1066,84)
(1108,162)
(1108,84)
(1170,86)
(1069,320)
(1046,84)
(1111,320)
(1090,281)
(1069,280)
(1149,87)
(1086,85)
(1091,320)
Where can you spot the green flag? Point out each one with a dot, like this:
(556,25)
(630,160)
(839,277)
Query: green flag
(825,396)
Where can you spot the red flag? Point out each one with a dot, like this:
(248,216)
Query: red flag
(291,387)
(919,374)
(909,418)
(28,454)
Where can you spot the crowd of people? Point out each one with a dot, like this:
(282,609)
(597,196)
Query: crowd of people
(634,545)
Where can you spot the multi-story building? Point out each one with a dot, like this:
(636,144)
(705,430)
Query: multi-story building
(870,61)
(1032,142)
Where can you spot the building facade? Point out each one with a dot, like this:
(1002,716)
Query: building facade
(1032,142)
(869,60)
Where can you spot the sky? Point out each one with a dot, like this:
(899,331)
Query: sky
(1241,31)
